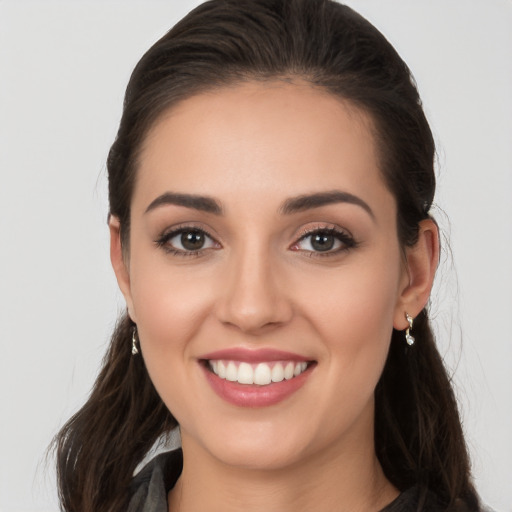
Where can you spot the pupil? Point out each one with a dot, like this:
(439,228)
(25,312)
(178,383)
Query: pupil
(322,242)
(192,240)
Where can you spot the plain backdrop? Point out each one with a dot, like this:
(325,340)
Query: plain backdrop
(63,69)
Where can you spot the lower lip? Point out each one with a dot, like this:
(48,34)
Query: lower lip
(250,395)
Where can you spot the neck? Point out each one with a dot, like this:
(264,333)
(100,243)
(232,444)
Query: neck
(350,480)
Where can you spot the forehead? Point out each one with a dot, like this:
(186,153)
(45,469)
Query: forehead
(255,137)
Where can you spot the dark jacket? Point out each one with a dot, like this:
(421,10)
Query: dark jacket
(151,485)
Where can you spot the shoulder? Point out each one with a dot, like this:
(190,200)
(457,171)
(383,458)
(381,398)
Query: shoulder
(417,500)
(414,500)
(149,488)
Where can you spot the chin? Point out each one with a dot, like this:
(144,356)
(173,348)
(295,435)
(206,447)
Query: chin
(269,445)
(252,456)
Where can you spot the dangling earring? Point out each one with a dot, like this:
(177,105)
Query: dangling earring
(408,338)
(135,350)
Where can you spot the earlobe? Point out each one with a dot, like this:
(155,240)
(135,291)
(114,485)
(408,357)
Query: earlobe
(421,264)
(119,263)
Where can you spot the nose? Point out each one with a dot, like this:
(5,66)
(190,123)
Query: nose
(254,297)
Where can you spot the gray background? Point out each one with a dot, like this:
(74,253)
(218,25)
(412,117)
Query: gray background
(63,69)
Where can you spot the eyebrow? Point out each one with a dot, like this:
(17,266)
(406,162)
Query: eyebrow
(290,206)
(309,201)
(202,203)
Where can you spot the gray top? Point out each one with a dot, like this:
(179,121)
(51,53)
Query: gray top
(151,485)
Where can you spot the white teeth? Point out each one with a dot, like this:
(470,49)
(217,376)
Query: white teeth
(278,373)
(221,369)
(288,371)
(261,374)
(245,374)
(231,372)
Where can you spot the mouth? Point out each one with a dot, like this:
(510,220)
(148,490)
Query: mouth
(255,378)
(258,374)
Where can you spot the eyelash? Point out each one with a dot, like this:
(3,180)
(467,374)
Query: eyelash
(163,240)
(342,236)
(345,238)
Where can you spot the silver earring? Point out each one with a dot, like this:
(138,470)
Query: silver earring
(135,350)
(408,338)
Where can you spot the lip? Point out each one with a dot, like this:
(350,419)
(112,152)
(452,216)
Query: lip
(261,355)
(250,395)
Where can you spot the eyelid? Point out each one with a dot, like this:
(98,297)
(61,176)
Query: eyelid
(343,236)
(322,226)
(168,234)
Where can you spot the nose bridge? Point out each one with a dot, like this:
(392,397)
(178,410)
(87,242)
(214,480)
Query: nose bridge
(254,296)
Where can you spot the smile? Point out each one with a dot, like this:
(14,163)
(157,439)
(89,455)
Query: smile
(260,374)
(256,378)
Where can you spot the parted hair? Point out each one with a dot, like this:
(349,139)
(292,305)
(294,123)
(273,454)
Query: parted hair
(418,434)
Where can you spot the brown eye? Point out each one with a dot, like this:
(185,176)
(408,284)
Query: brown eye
(187,241)
(192,240)
(322,242)
(328,241)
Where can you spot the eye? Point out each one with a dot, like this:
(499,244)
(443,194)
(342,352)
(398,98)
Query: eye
(186,241)
(326,240)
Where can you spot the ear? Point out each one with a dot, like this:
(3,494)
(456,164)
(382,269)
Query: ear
(420,266)
(120,264)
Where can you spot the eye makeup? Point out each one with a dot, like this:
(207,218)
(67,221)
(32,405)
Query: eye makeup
(189,240)
(324,241)
(194,241)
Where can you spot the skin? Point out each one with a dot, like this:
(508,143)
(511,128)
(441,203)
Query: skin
(258,283)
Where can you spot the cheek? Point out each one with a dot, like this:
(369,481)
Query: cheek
(170,312)
(169,302)
(354,318)
(359,299)
(353,310)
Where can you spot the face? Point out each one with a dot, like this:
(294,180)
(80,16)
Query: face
(264,272)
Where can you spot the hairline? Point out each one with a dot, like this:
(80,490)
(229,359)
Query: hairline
(233,80)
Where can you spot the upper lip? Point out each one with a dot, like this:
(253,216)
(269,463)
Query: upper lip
(253,355)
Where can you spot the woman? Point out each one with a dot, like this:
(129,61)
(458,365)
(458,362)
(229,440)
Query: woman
(269,189)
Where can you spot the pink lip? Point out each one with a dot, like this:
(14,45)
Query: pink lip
(253,356)
(248,395)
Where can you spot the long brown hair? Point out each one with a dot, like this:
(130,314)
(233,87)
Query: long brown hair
(418,435)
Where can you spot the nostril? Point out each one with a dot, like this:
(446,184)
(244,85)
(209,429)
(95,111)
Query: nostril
(252,297)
